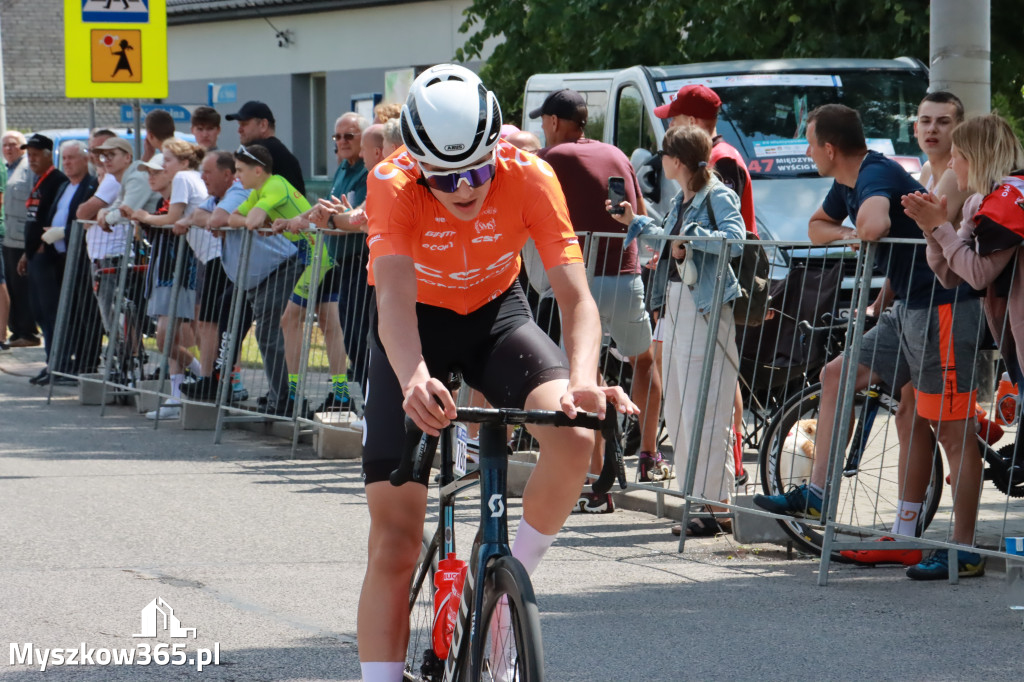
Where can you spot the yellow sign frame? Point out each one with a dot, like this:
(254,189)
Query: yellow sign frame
(133,53)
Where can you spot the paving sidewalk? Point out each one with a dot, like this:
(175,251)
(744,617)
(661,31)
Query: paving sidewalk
(264,554)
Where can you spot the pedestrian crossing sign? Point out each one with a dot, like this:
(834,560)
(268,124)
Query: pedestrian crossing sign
(116,56)
(115,49)
(115,11)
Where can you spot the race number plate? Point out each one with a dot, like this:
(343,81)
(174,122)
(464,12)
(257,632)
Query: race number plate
(461,438)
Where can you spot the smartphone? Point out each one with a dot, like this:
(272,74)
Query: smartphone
(617,194)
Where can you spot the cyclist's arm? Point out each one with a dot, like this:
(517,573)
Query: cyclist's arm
(395,280)
(581,331)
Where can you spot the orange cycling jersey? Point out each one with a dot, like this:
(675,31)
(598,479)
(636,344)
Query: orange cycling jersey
(461,265)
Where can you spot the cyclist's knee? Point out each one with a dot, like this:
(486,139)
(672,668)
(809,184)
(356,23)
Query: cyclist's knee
(832,372)
(393,550)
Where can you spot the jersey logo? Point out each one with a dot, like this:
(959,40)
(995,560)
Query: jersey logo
(488,226)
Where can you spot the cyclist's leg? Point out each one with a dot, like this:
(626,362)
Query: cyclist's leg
(396,522)
(329,319)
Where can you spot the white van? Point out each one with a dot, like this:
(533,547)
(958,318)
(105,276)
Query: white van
(764,115)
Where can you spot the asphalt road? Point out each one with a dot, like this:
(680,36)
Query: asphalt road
(264,555)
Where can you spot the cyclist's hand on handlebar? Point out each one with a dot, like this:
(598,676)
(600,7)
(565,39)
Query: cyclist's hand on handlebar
(430,405)
(593,398)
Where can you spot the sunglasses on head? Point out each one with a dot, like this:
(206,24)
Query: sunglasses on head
(343,136)
(242,151)
(449,181)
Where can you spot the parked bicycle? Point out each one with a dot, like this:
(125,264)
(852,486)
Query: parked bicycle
(497,627)
(869,492)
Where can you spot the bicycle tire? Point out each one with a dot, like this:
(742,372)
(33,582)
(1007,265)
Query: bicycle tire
(521,640)
(421,664)
(867,499)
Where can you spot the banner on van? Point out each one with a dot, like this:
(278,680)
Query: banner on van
(670,87)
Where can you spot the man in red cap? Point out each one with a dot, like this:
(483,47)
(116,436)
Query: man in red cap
(698,105)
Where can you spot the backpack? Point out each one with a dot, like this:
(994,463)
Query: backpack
(751,269)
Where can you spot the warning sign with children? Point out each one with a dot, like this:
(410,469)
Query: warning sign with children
(115,49)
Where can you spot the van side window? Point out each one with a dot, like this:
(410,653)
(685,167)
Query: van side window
(597,109)
(632,123)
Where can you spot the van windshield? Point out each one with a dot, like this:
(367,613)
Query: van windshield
(764,115)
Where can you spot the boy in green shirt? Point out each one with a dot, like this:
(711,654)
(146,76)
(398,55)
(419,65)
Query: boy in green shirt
(271,198)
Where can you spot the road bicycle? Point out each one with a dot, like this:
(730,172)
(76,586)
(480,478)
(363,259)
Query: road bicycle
(497,631)
(869,490)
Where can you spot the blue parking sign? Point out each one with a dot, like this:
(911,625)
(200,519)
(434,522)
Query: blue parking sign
(115,11)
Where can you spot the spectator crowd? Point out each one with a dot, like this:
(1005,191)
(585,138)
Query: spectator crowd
(219,225)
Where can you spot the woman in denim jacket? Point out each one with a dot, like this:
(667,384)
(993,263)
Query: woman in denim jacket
(689,271)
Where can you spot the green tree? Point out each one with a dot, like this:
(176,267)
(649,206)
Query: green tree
(584,35)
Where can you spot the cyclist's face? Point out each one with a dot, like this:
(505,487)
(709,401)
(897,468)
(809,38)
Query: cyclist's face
(248,175)
(464,203)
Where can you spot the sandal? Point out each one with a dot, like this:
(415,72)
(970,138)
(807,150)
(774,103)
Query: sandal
(704,527)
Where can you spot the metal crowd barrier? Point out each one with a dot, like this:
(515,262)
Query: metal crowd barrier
(819,304)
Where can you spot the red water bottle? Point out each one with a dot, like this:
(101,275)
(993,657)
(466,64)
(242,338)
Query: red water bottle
(449,579)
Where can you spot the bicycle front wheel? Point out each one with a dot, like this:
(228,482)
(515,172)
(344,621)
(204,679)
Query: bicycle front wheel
(421,664)
(868,492)
(510,640)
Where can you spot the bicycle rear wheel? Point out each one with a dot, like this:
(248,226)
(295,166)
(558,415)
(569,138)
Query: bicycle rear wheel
(867,498)
(421,664)
(510,640)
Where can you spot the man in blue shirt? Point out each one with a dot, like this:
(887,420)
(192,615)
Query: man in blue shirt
(923,348)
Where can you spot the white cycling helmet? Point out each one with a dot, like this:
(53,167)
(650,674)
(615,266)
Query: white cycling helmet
(450,119)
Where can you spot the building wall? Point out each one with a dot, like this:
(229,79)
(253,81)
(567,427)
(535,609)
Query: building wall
(33,55)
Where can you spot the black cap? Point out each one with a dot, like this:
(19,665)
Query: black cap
(38,141)
(567,104)
(252,109)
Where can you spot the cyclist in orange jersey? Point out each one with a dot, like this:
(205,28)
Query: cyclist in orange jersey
(448,215)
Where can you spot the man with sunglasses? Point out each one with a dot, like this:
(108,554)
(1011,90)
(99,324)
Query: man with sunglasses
(447,219)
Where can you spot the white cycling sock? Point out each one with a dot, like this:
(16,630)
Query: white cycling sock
(196,368)
(907,514)
(176,380)
(530,546)
(382,672)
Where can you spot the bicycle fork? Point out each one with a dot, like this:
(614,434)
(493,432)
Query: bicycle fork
(861,432)
(492,543)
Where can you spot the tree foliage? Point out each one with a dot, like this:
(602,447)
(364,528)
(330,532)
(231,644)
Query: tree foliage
(584,35)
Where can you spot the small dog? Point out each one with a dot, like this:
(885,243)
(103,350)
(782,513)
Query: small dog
(797,455)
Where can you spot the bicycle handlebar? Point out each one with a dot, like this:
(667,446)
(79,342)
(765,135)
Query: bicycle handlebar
(419,447)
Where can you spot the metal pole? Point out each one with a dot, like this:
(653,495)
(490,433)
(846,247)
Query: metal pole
(234,335)
(172,321)
(710,346)
(137,117)
(847,391)
(307,340)
(74,243)
(959,51)
(127,261)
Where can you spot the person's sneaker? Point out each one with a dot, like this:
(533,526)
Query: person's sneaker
(203,389)
(652,467)
(335,404)
(239,393)
(936,567)
(29,342)
(165,412)
(4,346)
(61,380)
(907,557)
(800,502)
(592,503)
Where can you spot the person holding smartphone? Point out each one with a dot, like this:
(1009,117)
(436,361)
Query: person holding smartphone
(587,170)
(704,207)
